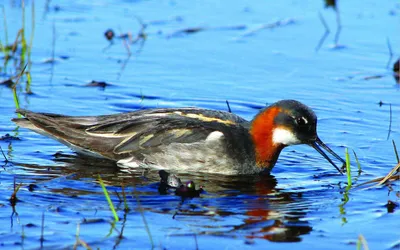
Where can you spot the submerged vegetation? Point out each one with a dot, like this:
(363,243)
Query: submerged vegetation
(19,52)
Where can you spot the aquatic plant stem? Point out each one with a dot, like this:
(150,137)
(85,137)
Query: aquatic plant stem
(79,241)
(348,170)
(395,151)
(358,162)
(342,209)
(362,242)
(144,218)
(16,101)
(390,174)
(390,121)
(33,29)
(77,236)
(4,47)
(348,187)
(23,236)
(126,207)
(5,31)
(326,33)
(390,52)
(14,90)
(23,40)
(13,198)
(5,157)
(42,232)
(28,73)
(338,25)
(108,199)
(53,52)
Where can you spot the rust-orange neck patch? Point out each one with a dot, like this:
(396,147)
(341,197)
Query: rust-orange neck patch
(261,132)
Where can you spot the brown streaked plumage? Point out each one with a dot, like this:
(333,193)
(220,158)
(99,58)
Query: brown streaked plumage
(185,138)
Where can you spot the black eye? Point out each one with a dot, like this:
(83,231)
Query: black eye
(301,121)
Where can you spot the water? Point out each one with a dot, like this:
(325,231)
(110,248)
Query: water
(302,205)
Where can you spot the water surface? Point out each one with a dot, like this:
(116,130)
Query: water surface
(303,204)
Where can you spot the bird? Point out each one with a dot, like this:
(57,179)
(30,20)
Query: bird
(186,139)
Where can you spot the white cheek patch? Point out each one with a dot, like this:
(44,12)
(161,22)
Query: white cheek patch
(285,137)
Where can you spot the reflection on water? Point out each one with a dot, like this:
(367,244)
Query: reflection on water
(265,212)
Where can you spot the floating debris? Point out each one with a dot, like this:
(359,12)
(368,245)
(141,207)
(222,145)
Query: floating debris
(194,30)
(186,31)
(9,83)
(8,138)
(127,38)
(272,25)
(54,60)
(100,84)
(330,4)
(391,205)
(32,187)
(109,34)
(367,78)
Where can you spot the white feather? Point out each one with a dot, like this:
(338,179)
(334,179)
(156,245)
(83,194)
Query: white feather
(284,136)
(214,136)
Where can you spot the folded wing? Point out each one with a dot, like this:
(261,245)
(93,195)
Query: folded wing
(130,134)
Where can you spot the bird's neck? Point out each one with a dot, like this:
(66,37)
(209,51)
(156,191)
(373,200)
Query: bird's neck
(261,130)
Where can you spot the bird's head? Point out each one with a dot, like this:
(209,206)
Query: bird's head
(285,123)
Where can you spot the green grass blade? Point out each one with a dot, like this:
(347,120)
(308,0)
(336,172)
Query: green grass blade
(348,171)
(108,199)
(16,101)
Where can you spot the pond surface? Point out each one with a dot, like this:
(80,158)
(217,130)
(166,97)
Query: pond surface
(202,53)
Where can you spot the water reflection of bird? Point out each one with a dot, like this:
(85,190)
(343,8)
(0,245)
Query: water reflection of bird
(266,212)
(187,190)
(186,139)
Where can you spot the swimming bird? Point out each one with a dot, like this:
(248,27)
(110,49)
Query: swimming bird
(186,139)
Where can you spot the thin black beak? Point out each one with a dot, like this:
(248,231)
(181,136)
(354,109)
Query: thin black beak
(317,144)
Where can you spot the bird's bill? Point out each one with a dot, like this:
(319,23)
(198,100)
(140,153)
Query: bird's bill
(318,144)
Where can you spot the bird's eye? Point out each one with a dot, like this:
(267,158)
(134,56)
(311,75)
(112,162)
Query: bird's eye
(301,121)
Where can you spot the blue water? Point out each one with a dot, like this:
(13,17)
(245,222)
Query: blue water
(303,206)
